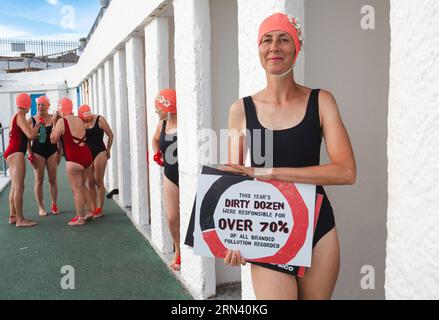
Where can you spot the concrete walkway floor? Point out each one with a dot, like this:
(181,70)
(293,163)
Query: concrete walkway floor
(110,258)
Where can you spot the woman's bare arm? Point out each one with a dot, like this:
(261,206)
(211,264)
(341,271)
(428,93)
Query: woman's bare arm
(103,124)
(156,137)
(56,134)
(28,130)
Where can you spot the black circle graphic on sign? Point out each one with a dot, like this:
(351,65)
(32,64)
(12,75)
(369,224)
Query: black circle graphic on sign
(212,197)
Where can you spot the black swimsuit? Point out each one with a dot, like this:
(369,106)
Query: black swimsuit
(95,139)
(46,149)
(171,165)
(295,147)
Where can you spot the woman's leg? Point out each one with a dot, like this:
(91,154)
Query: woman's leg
(75,173)
(12,213)
(91,186)
(319,281)
(100,164)
(52,170)
(17,167)
(273,285)
(172,207)
(88,210)
(38,186)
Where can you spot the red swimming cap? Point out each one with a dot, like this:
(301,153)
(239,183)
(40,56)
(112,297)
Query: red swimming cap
(282,22)
(44,100)
(167,100)
(66,106)
(23,101)
(84,112)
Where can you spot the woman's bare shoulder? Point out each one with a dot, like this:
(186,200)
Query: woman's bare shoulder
(327,100)
(237,108)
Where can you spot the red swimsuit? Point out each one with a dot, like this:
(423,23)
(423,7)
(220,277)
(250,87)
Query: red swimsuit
(76,150)
(17,140)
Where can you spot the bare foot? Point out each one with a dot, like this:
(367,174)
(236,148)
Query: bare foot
(12,220)
(77,221)
(42,213)
(26,224)
(176,263)
(55,209)
(89,217)
(98,213)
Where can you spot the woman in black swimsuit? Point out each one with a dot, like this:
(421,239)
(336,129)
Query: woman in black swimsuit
(43,154)
(298,118)
(165,148)
(96,126)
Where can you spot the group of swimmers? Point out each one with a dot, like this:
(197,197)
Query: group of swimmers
(46,138)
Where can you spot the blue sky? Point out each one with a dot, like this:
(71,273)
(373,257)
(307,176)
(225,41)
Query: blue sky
(47,19)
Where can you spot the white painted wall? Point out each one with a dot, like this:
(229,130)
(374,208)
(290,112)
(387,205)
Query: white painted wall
(135,68)
(90,92)
(225,83)
(192,78)
(353,64)
(413,230)
(6,113)
(111,119)
(41,78)
(122,128)
(102,110)
(95,90)
(157,78)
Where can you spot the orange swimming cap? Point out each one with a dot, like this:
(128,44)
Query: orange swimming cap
(167,100)
(43,100)
(23,101)
(84,112)
(66,106)
(282,22)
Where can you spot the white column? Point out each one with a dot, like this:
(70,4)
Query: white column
(111,119)
(192,66)
(138,135)
(91,92)
(87,92)
(95,106)
(103,110)
(157,78)
(413,222)
(122,128)
(251,74)
(81,90)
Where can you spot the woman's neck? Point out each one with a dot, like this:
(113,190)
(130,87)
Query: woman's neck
(281,89)
(172,121)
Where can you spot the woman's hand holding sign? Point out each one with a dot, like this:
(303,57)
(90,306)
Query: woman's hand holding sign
(259,173)
(234,259)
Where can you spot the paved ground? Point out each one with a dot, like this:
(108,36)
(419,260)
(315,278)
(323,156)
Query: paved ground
(110,258)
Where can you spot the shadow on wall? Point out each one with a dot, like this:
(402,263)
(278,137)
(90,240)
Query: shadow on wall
(353,63)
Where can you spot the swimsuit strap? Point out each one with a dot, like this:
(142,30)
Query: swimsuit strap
(164,126)
(79,141)
(97,122)
(75,140)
